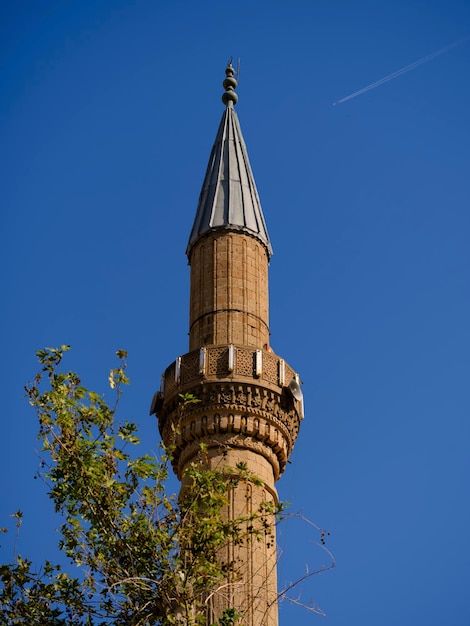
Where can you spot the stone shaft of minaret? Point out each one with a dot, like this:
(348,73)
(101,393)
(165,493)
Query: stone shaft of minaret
(229,291)
(250,404)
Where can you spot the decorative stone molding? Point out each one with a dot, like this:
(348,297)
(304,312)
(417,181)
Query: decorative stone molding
(237,414)
(222,441)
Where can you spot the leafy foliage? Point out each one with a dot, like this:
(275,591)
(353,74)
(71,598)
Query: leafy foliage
(143,557)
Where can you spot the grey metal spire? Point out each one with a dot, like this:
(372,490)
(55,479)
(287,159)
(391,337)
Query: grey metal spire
(229,199)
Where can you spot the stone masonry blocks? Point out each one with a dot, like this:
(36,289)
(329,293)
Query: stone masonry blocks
(229,291)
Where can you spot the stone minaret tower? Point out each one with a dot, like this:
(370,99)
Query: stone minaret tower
(251,404)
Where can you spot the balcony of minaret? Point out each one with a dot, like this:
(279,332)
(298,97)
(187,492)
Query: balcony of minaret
(242,392)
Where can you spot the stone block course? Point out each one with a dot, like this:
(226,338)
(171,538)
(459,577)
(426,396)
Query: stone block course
(229,289)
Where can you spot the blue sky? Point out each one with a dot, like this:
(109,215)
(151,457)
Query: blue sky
(108,114)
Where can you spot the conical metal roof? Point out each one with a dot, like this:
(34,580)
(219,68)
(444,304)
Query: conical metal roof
(229,199)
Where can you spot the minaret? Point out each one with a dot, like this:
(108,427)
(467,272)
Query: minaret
(250,400)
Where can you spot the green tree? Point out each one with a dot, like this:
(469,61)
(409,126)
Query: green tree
(142,557)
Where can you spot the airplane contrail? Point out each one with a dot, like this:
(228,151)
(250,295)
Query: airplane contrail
(403,70)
